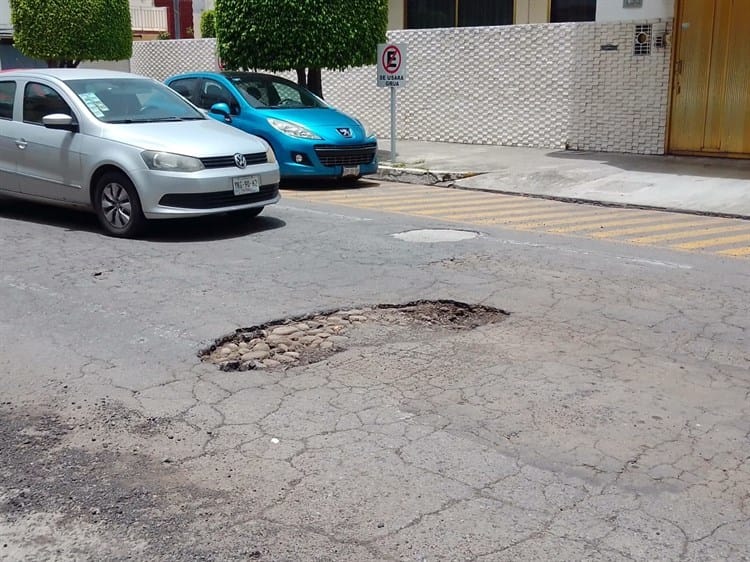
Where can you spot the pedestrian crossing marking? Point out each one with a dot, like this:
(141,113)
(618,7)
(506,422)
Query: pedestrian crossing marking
(693,233)
(736,252)
(676,231)
(725,241)
(603,222)
(674,225)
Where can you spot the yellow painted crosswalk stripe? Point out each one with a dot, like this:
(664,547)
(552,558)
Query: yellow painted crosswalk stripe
(736,252)
(631,218)
(392,198)
(672,225)
(544,214)
(470,209)
(713,242)
(693,233)
(476,203)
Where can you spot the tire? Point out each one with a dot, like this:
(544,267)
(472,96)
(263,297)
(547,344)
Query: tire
(118,206)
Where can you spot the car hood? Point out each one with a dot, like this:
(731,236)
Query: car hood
(203,138)
(313,117)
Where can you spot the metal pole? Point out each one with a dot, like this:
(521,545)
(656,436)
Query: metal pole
(393,124)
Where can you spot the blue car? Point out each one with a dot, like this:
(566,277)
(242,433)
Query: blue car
(310,138)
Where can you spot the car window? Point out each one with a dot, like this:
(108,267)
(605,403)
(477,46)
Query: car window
(212,93)
(132,100)
(7,99)
(40,100)
(265,90)
(185,87)
(254,91)
(288,95)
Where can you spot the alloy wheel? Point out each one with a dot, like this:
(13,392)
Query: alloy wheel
(116,205)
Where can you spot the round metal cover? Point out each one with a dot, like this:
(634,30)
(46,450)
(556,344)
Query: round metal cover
(436,235)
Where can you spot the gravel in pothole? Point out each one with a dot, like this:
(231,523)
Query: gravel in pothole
(308,339)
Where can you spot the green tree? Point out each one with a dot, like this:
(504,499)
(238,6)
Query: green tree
(66,32)
(301,35)
(208,24)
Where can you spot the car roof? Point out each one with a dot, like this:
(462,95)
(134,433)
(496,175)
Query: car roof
(225,73)
(68,73)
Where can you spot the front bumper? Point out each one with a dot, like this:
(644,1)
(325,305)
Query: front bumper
(207,192)
(322,160)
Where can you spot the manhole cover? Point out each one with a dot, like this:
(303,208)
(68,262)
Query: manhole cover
(436,235)
(311,338)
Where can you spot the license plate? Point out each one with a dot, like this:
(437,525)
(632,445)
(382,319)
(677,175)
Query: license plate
(349,171)
(246,184)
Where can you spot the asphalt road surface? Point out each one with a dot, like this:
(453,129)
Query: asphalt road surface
(605,417)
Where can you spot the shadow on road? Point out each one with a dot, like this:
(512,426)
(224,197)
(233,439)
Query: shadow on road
(328,185)
(214,227)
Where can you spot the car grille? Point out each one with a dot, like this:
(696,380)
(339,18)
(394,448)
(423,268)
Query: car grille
(346,155)
(218,199)
(228,161)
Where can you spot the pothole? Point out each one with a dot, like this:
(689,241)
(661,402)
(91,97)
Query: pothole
(311,338)
(429,235)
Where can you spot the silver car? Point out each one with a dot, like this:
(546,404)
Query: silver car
(127,147)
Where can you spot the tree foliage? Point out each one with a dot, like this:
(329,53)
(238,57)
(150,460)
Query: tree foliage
(66,32)
(208,24)
(280,35)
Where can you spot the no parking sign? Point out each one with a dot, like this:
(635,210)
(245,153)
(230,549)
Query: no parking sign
(392,74)
(391,65)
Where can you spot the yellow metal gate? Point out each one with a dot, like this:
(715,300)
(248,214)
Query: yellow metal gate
(711,89)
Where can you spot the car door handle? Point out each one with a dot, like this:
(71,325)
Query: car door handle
(21,143)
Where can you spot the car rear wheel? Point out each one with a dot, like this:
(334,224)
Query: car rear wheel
(117,205)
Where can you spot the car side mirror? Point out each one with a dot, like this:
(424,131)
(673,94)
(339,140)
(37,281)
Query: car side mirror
(221,109)
(60,121)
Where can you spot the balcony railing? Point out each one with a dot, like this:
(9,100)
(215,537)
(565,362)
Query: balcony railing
(148,19)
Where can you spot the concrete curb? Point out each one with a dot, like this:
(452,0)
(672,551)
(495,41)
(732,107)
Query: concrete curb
(420,175)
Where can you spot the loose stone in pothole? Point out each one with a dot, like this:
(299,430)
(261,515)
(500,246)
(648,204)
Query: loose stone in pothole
(308,339)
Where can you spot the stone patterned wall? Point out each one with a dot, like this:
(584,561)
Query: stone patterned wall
(542,85)
(619,104)
(160,59)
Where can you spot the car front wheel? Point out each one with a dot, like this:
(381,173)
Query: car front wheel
(117,205)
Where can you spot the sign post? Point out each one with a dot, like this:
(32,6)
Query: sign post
(392,74)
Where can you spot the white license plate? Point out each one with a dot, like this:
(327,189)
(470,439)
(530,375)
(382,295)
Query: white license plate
(349,171)
(246,184)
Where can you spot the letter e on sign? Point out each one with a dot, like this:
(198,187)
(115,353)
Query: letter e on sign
(391,65)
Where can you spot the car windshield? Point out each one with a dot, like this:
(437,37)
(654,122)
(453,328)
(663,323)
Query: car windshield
(132,100)
(266,92)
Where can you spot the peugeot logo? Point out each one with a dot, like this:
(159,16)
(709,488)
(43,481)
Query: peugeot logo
(239,160)
(345,132)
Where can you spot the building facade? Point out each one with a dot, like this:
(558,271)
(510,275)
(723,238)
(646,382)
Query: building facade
(633,76)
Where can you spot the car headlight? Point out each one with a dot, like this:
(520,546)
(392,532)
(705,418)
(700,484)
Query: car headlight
(292,129)
(270,156)
(168,162)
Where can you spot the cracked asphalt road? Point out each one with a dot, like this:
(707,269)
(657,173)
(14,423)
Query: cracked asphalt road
(606,418)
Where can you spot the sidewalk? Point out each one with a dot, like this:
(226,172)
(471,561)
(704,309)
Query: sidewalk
(701,185)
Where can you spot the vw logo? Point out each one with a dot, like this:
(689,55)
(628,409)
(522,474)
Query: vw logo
(239,160)
(345,132)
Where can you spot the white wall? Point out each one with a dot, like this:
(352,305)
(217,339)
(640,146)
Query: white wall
(612,10)
(4,13)
(537,85)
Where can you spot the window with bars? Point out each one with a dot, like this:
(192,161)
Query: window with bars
(421,14)
(572,10)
